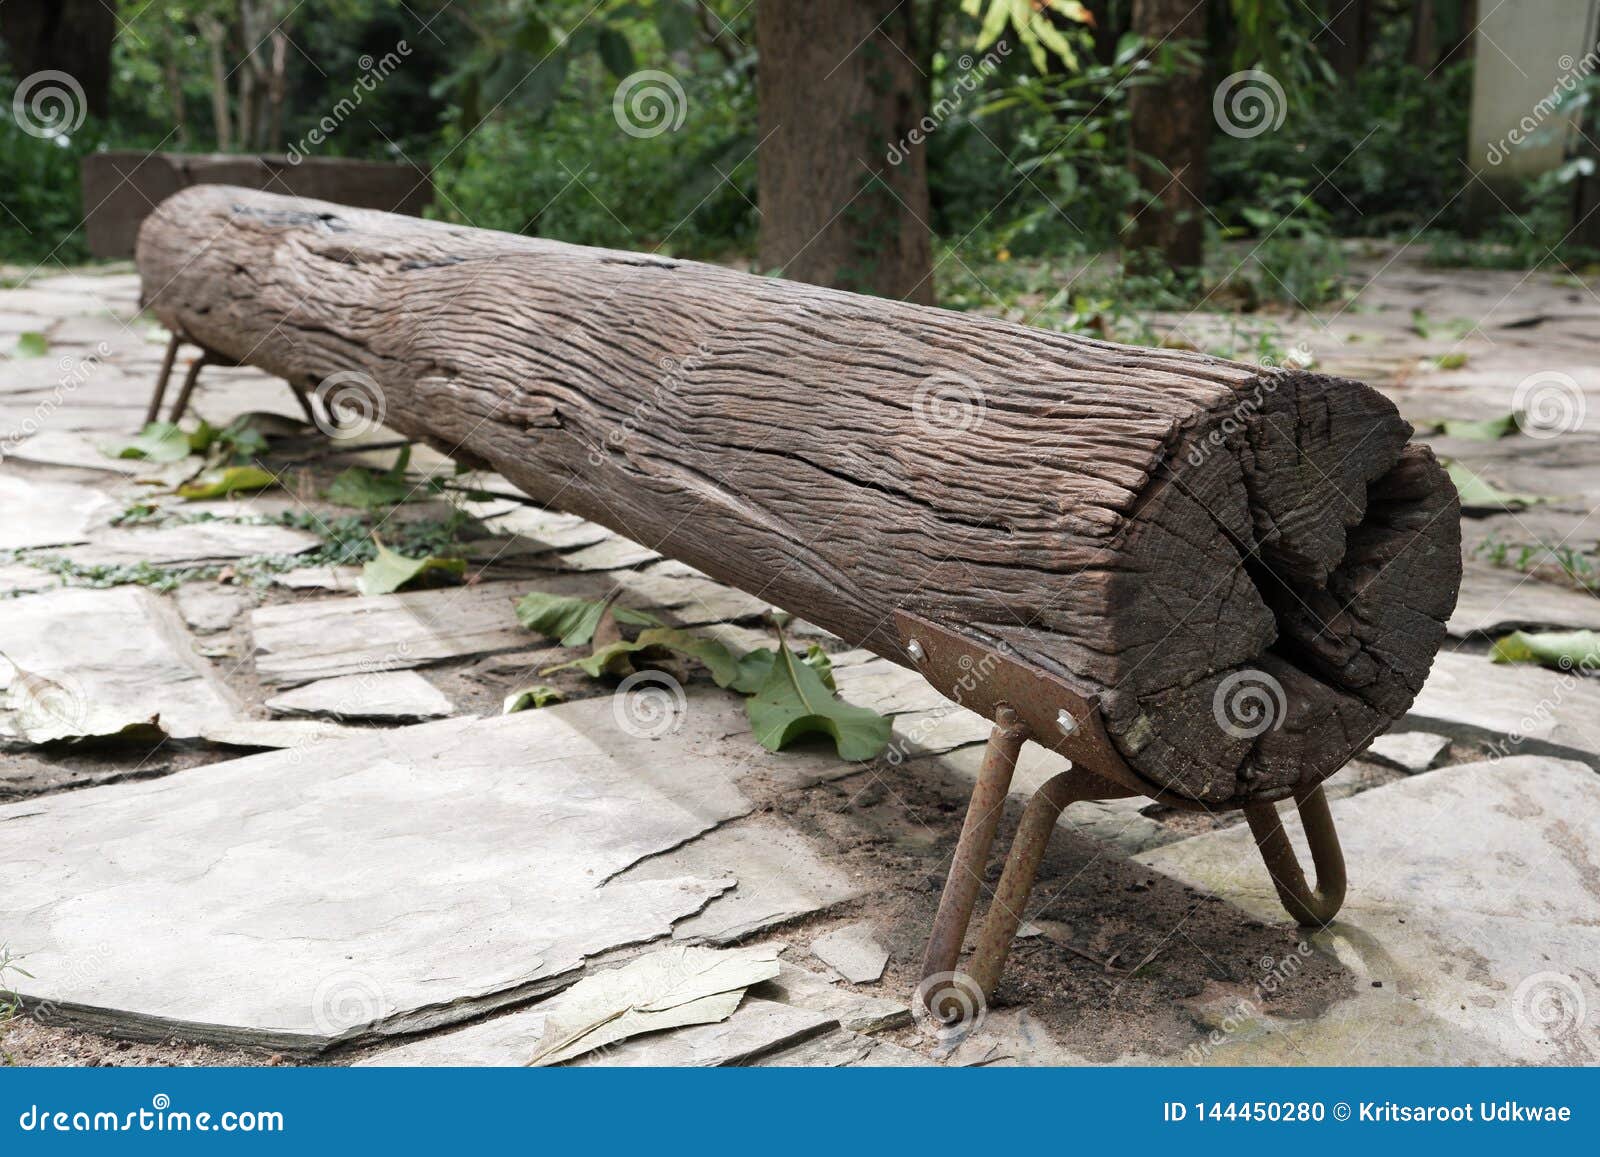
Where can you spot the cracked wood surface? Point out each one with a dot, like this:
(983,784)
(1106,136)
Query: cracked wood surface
(1151,524)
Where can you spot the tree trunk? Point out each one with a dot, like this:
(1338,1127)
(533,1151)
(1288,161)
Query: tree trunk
(843,188)
(216,35)
(1166,533)
(70,36)
(277,91)
(1347,35)
(1423,51)
(1169,127)
(173,79)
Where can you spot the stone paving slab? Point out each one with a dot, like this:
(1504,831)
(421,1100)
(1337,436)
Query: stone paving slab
(18,578)
(1467,696)
(211,607)
(853,951)
(39,514)
(194,542)
(121,651)
(59,446)
(296,643)
(1409,751)
(105,425)
(405,879)
(843,1049)
(1494,601)
(756,1028)
(383,696)
(781,877)
(857,1011)
(551,529)
(22,777)
(1473,908)
(276,734)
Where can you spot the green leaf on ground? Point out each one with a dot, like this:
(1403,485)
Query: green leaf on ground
(721,662)
(1479,494)
(226,480)
(530,698)
(31,345)
(755,667)
(157,442)
(614,658)
(391,571)
(606,659)
(368,489)
(572,620)
(1561,649)
(1453,361)
(239,441)
(1475,430)
(795,701)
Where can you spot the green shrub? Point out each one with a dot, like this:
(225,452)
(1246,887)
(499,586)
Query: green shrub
(42,194)
(573,174)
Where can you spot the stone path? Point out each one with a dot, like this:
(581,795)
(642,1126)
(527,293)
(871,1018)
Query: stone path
(286,861)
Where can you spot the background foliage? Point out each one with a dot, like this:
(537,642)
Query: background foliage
(510,102)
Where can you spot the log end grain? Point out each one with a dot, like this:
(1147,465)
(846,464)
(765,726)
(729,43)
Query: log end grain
(1286,580)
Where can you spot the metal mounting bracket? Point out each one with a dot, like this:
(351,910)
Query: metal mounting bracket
(1027,702)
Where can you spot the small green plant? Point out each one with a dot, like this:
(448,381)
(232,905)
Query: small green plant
(1569,564)
(10,1002)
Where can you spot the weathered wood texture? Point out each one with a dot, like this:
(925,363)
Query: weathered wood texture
(1152,524)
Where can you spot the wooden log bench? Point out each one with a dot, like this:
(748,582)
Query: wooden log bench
(1204,582)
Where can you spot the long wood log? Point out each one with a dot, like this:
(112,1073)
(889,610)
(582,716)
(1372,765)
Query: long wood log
(1163,529)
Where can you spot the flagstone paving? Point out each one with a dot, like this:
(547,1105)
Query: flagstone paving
(1462,952)
(369,892)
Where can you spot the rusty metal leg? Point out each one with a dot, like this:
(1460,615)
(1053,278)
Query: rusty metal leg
(189,381)
(167,361)
(1022,865)
(305,405)
(972,851)
(1310,908)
